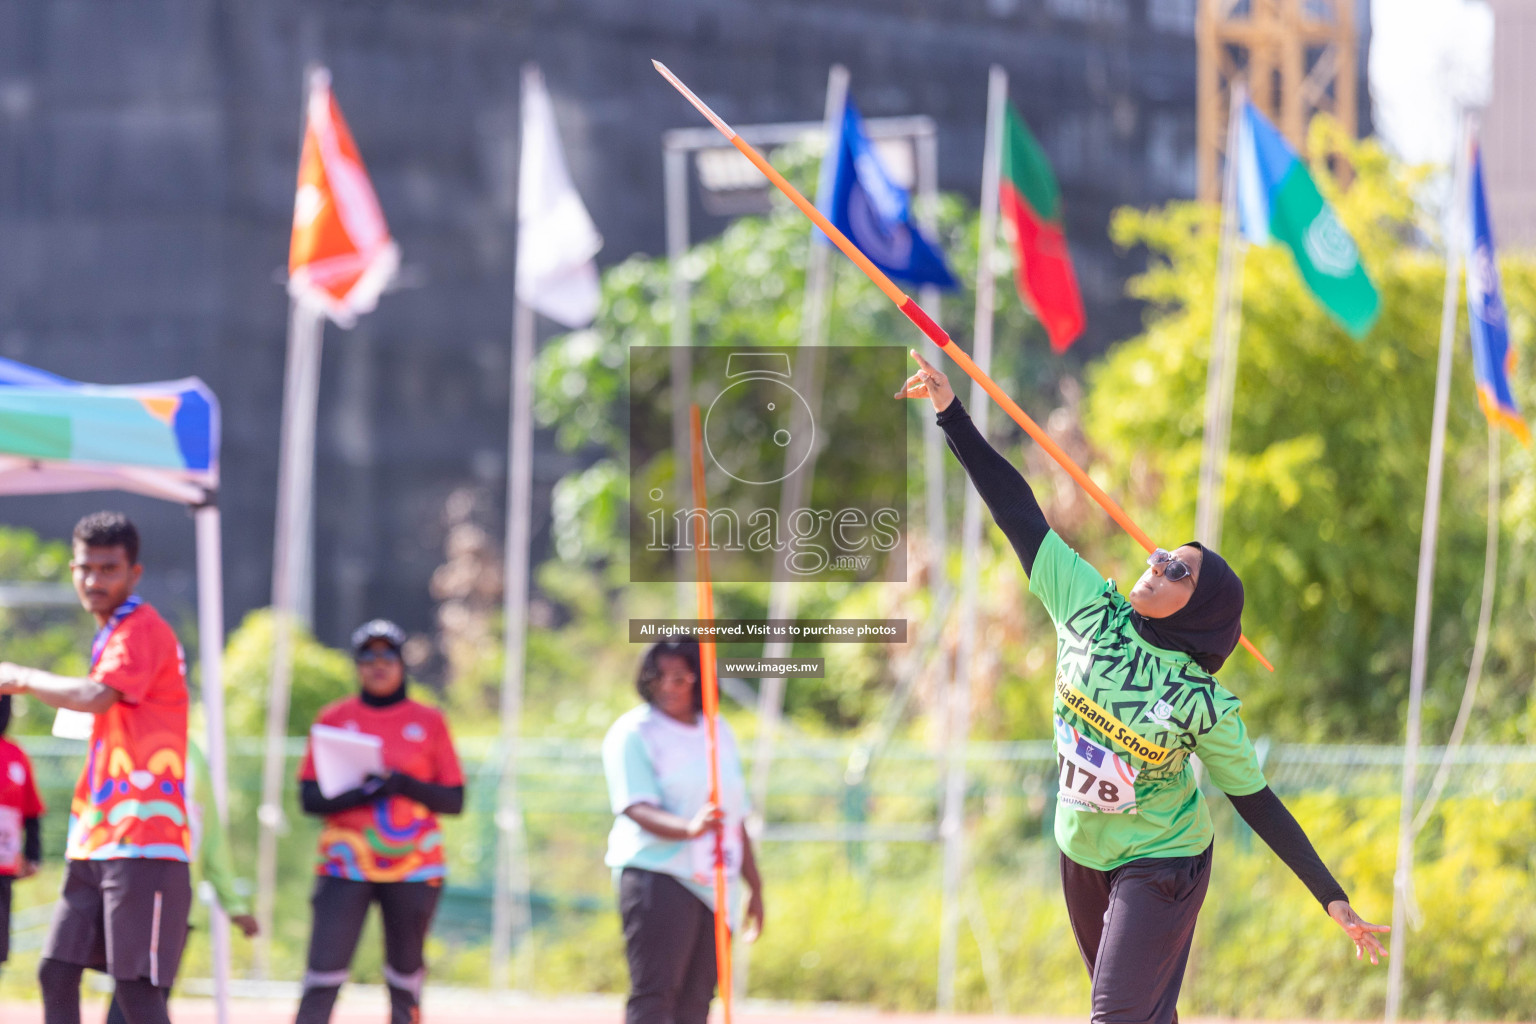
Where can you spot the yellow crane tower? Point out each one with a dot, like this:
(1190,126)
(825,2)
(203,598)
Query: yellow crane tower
(1298,57)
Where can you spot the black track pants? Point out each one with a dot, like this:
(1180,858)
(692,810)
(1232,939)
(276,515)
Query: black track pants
(340,907)
(1134,926)
(669,939)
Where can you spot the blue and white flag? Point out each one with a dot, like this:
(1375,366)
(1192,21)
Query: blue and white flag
(858,195)
(1492,358)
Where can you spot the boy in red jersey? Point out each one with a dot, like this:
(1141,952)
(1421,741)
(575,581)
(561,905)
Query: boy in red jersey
(381,841)
(127,886)
(21,813)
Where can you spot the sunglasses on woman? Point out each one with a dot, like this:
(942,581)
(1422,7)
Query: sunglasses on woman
(1173,569)
(370,656)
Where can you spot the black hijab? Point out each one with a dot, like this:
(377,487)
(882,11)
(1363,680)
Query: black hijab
(1207,628)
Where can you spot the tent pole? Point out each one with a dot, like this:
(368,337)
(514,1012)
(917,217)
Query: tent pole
(295,521)
(210,642)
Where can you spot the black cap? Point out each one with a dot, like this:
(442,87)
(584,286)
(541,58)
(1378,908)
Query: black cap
(377,629)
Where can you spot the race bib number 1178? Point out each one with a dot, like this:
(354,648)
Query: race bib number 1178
(1093,777)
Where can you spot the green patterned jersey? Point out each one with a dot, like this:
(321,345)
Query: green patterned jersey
(1127,717)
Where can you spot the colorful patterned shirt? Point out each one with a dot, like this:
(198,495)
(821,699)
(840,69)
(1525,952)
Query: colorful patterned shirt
(130,801)
(394,839)
(1127,717)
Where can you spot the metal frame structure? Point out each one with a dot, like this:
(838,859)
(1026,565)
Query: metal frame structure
(1299,58)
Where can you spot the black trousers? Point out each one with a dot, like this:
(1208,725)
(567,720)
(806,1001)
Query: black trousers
(340,907)
(6,882)
(1134,926)
(115,1014)
(669,940)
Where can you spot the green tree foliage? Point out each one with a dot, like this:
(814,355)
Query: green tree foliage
(52,638)
(1329,449)
(320,675)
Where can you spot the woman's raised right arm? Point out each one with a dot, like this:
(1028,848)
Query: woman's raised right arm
(1004,489)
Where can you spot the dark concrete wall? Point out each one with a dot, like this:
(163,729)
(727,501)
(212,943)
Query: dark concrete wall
(147,162)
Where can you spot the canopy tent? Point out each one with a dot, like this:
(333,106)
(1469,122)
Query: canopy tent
(60,436)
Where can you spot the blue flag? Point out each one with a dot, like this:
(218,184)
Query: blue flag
(1492,358)
(858,195)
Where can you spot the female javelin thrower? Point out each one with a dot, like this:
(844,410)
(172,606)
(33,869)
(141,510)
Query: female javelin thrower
(1135,696)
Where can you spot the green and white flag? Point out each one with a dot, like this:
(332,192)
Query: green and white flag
(1278,200)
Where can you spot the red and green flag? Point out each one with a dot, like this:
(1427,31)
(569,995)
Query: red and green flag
(1031,203)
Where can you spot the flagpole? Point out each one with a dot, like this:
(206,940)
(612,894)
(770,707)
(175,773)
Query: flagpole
(781,594)
(952,827)
(675,194)
(295,520)
(1226,328)
(1402,877)
(511,911)
(783,600)
(935,458)
(1479,643)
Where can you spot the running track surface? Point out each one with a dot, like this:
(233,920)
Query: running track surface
(464,1007)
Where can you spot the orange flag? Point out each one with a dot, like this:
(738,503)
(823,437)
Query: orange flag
(341,256)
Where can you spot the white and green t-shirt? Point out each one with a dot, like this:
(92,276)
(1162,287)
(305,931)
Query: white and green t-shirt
(1127,717)
(651,758)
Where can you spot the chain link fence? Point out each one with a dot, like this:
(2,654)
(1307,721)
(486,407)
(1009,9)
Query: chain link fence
(895,806)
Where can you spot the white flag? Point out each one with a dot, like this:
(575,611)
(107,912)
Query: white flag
(556,239)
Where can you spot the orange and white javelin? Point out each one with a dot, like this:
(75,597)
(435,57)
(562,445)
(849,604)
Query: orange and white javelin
(709,686)
(925,323)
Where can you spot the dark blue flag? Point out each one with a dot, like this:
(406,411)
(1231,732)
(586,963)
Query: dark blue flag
(874,212)
(1492,358)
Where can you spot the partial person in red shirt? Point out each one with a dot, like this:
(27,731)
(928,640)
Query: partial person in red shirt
(381,841)
(127,885)
(21,816)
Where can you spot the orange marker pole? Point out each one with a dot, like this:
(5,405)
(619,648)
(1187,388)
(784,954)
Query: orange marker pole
(925,323)
(709,685)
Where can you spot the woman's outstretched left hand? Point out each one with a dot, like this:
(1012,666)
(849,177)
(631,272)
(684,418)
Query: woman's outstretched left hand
(1360,931)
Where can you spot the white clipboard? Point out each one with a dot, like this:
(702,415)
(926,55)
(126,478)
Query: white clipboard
(73,725)
(343,758)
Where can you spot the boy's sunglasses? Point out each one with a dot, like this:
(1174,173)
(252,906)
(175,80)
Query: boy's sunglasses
(1173,569)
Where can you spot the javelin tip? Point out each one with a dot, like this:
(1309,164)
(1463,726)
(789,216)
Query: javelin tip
(698,104)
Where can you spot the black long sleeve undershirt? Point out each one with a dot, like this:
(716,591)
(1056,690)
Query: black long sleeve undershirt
(313,802)
(1273,823)
(437,799)
(1007,494)
(32,845)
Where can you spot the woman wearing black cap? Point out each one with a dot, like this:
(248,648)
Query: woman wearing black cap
(380,842)
(1135,696)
